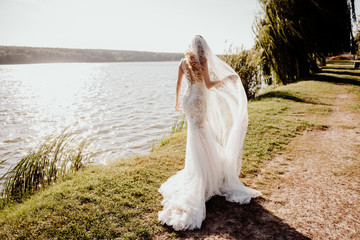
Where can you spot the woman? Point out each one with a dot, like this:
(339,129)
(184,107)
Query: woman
(215,104)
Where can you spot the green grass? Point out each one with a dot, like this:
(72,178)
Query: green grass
(117,200)
(279,115)
(120,200)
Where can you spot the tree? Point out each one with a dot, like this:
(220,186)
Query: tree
(293,34)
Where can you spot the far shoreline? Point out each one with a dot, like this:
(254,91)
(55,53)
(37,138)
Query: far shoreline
(10,55)
(35,63)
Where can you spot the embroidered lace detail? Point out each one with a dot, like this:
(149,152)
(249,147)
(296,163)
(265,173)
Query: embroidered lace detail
(194,101)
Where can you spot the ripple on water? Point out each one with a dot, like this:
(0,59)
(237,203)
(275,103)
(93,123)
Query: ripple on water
(110,103)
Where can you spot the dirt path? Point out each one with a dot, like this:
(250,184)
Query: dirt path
(314,192)
(319,192)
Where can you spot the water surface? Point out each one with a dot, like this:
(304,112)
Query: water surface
(121,107)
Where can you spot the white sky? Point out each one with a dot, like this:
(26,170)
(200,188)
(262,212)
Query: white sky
(145,25)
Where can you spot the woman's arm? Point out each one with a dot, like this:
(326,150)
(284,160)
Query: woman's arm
(178,86)
(209,84)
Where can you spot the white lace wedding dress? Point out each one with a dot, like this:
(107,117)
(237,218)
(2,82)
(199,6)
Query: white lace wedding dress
(186,192)
(217,123)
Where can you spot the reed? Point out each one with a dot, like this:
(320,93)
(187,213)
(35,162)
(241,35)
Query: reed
(57,155)
(178,126)
(180,123)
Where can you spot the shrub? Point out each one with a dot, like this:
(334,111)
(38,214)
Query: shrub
(244,62)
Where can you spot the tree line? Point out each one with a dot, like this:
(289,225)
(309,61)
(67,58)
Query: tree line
(295,36)
(22,55)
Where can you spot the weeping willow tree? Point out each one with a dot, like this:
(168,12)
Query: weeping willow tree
(292,35)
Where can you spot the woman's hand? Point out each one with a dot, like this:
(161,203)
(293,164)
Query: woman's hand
(177,105)
(234,78)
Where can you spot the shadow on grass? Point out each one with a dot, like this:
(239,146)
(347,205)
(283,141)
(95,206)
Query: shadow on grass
(343,72)
(340,62)
(282,95)
(344,67)
(279,94)
(333,79)
(231,220)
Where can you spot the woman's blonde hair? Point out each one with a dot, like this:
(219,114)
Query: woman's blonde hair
(197,60)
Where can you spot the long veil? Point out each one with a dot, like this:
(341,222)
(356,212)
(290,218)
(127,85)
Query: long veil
(218,121)
(228,118)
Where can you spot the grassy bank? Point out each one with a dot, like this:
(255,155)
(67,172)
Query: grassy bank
(120,200)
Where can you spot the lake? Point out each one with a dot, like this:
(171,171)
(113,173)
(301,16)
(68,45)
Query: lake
(122,108)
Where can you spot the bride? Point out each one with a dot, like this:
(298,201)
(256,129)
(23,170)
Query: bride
(215,104)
